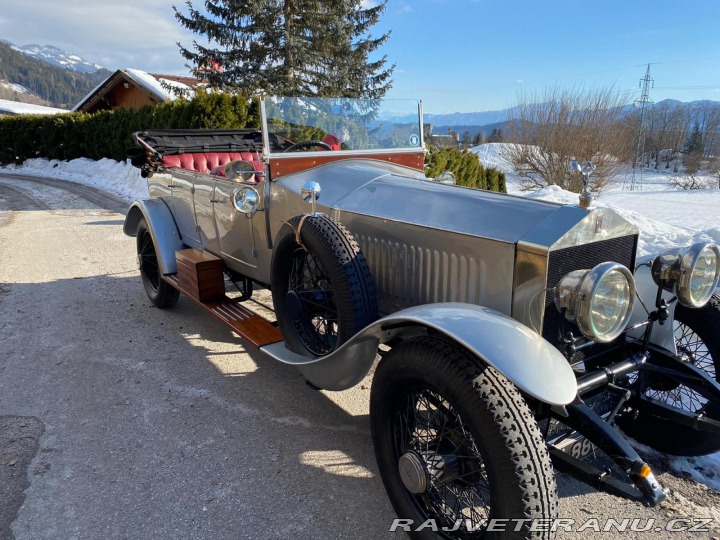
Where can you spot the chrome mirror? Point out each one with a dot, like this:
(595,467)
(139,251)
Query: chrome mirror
(446,177)
(245,199)
(239,170)
(311,192)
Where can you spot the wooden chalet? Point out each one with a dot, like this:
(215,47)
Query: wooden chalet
(132,89)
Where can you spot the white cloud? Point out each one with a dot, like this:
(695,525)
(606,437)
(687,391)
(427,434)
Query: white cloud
(135,33)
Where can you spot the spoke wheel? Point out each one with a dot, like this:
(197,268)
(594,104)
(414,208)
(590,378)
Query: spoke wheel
(456,443)
(691,348)
(322,289)
(697,339)
(315,318)
(148,260)
(440,463)
(161,293)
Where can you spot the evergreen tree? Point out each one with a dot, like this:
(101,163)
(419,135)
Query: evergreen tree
(496,135)
(694,144)
(693,151)
(289,47)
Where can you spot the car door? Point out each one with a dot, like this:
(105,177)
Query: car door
(234,229)
(183,206)
(204,199)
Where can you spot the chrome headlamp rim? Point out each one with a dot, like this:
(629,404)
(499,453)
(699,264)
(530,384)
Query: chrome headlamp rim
(673,270)
(576,291)
(688,262)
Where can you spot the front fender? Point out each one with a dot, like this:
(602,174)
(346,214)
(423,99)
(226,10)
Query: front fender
(162,228)
(521,355)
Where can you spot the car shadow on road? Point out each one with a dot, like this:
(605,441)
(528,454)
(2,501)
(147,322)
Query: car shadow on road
(186,405)
(171,408)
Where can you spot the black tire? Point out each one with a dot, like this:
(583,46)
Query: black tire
(322,290)
(160,293)
(697,336)
(490,438)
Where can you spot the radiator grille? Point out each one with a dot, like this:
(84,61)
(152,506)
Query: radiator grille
(562,261)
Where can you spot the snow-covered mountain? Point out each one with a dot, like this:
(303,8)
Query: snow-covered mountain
(57,57)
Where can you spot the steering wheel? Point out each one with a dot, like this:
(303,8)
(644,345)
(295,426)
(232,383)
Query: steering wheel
(308,144)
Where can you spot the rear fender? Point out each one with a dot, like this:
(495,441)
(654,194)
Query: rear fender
(162,228)
(521,355)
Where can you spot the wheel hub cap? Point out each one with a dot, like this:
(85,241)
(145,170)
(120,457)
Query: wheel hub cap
(413,472)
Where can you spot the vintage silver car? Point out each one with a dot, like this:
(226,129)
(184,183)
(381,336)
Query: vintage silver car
(516,336)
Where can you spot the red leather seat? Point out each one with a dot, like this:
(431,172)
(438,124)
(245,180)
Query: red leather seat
(206,162)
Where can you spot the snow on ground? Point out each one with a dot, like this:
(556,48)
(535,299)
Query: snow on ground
(121,179)
(15,107)
(666,217)
(20,89)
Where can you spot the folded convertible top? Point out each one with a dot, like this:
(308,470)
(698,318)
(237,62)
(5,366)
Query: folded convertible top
(184,141)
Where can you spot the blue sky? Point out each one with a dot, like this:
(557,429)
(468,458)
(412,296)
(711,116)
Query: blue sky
(472,55)
(455,55)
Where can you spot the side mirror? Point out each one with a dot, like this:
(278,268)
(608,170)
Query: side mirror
(310,192)
(239,171)
(446,177)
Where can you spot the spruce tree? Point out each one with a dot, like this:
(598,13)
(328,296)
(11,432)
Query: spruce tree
(694,144)
(288,47)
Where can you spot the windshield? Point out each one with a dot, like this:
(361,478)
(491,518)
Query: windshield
(299,124)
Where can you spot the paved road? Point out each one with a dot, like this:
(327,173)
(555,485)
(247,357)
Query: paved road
(119,420)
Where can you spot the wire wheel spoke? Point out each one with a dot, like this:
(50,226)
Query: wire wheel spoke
(318,324)
(427,424)
(691,348)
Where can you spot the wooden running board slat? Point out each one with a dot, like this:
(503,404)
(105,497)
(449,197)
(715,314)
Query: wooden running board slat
(248,325)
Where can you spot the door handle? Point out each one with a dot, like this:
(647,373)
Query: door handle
(215,200)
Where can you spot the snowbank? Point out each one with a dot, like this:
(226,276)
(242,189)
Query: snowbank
(16,107)
(121,179)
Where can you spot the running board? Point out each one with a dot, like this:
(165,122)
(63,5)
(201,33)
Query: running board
(204,292)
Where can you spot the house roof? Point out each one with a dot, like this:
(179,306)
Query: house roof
(160,87)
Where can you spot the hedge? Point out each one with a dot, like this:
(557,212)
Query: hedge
(467,169)
(107,134)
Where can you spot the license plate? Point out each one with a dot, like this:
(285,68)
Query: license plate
(577,446)
(580,448)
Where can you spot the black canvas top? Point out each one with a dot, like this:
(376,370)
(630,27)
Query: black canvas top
(183,141)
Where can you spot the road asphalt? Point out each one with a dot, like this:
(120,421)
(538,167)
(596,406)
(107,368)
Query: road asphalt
(122,421)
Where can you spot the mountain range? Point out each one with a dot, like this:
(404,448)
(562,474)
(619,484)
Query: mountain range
(57,57)
(46,75)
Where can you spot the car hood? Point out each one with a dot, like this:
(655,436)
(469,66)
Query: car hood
(394,193)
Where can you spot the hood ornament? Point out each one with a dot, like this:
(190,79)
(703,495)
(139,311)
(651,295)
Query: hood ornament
(586,169)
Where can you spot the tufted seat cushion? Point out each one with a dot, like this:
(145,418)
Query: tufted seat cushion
(205,162)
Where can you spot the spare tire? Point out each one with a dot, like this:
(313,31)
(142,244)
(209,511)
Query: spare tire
(322,288)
